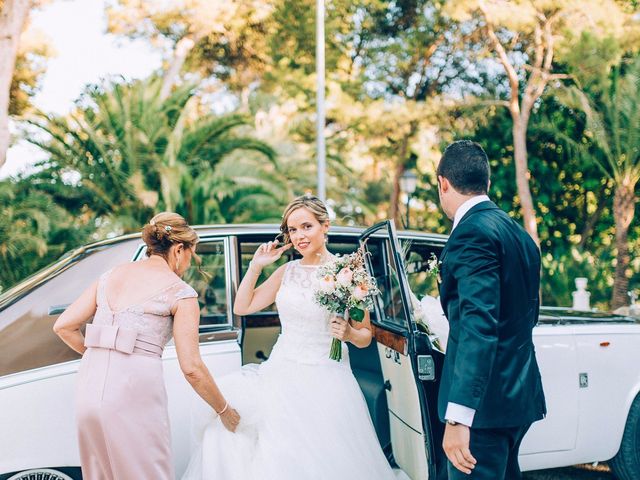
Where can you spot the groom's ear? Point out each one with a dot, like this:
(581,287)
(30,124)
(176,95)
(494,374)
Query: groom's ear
(443,183)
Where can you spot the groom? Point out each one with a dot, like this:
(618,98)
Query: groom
(490,391)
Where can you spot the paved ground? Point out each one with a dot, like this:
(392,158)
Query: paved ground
(583,472)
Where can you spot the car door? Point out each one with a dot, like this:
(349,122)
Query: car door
(407,358)
(562,383)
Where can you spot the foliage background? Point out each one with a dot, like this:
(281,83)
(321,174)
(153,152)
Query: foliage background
(404,78)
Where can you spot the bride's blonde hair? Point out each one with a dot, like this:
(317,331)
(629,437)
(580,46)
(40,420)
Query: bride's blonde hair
(311,203)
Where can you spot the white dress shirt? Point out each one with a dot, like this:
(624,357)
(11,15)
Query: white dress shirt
(460,413)
(466,206)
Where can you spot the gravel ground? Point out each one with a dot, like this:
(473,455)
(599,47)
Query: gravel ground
(580,472)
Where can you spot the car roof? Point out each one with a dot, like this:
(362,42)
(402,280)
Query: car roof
(270,228)
(204,231)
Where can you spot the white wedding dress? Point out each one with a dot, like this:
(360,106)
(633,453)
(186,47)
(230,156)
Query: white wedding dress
(303,415)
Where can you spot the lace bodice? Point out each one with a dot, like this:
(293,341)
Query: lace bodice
(305,336)
(151,316)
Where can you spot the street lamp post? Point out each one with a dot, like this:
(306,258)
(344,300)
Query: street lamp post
(408,184)
(320,108)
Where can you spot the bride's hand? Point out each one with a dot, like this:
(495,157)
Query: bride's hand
(230,419)
(267,253)
(340,329)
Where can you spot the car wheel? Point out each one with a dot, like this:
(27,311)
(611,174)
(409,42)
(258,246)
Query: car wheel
(626,464)
(40,474)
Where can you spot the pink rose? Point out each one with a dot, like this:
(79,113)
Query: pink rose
(360,292)
(345,276)
(327,284)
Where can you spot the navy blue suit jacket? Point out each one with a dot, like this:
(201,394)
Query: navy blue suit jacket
(490,287)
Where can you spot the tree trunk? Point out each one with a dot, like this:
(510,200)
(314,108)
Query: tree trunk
(180,53)
(519,132)
(12,21)
(591,222)
(245,96)
(394,210)
(624,202)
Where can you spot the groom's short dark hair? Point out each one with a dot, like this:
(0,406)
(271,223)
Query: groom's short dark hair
(465,164)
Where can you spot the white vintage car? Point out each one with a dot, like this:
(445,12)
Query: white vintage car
(590,362)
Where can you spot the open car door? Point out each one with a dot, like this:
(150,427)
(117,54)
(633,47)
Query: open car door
(407,360)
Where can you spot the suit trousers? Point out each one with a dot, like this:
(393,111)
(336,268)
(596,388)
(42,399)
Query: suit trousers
(496,453)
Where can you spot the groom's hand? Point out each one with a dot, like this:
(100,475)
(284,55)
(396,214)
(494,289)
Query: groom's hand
(456,446)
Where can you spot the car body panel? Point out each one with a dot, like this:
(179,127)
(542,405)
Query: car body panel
(38,407)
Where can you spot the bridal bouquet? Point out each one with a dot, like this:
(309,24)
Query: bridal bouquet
(345,288)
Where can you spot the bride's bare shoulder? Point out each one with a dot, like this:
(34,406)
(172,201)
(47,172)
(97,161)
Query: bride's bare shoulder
(284,267)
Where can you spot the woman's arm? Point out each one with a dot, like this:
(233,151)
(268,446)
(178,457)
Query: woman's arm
(186,321)
(250,299)
(68,325)
(358,333)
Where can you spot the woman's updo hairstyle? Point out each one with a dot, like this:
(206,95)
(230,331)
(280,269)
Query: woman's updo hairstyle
(311,203)
(165,230)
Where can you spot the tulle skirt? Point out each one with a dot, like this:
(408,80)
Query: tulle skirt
(298,421)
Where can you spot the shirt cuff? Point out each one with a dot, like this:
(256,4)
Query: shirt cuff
(460,413)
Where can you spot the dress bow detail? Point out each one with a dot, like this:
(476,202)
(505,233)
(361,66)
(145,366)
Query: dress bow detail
(111,337)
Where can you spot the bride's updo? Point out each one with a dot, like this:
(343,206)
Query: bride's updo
(165,230)
(311,203)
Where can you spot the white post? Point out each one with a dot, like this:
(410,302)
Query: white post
(320,111)
(581,296)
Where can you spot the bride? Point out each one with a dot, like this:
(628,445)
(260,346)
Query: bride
(302,415)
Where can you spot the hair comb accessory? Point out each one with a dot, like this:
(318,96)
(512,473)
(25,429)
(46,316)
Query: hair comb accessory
(168,228)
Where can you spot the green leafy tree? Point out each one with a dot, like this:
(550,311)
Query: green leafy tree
(526,38)
(132,152)
(20,63)
(34,230)
(612,113)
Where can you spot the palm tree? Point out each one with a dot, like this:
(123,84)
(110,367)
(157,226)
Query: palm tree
(613,122)
(135,153)
(33,232)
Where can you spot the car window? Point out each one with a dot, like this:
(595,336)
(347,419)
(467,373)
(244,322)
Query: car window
(390,310)
(416,256)
(210,281)
(26,336)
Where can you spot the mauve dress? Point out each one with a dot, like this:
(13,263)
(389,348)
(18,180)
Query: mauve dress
(121,401)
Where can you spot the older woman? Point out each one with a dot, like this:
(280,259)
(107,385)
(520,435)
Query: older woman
(121,403)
